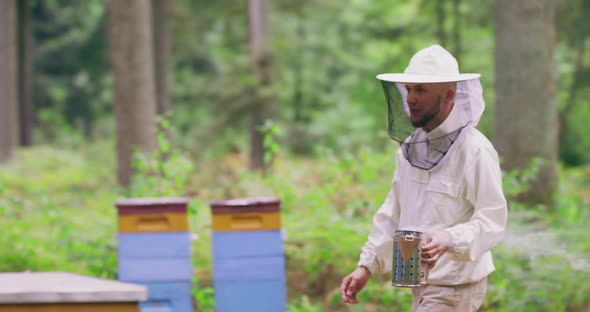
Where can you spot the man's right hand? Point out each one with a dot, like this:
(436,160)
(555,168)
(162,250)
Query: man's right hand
(353,284)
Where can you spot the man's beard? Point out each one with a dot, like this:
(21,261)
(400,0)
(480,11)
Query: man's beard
(428,116)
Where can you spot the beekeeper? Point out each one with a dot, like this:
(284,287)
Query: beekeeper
(447,183)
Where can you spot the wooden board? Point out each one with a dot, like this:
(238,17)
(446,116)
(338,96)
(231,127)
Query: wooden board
(60,287)
(72,307)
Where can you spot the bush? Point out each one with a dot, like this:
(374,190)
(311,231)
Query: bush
(57,211)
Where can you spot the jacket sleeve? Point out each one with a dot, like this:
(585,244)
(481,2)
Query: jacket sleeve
(377,253)
(486,226)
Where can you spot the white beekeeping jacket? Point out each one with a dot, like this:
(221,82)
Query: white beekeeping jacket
(462,194)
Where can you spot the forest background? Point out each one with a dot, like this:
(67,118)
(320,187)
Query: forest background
(101,100)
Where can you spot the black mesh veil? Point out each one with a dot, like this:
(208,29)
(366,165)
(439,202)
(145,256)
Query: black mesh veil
(399,125)
(422,149)
(428,153)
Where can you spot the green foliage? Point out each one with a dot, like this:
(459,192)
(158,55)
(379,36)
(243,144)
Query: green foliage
(573,76)
(56,204)
(518,181)
(324,64)
(71,79)
(271,146)
(336,198)
(163,172)
(57,211)
(334,202)
(539,269)
(204,296)
(304,304)
(573,201)
(386,297)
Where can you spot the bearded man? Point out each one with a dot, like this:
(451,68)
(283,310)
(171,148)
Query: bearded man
(447,184)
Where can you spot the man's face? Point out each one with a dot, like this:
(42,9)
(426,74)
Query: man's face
(425,104)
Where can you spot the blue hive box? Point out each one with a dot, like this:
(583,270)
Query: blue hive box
(249,265)
(145,257)
(168,297)
(158,257)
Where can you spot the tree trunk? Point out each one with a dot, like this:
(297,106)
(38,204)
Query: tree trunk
(526,112)
(8,79)
(25,71)
(262,62)
(161,10)
(130,38)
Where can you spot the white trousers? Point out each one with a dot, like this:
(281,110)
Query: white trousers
(463,298)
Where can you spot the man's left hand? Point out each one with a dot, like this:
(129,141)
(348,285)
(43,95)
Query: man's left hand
(439,243)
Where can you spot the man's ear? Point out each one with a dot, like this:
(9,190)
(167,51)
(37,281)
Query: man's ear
(450,94)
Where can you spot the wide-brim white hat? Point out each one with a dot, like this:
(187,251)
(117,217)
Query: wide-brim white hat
(430,65)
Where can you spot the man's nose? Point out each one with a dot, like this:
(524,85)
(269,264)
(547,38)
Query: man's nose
(411,99)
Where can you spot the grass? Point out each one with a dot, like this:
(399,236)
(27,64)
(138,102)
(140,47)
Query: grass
(57,214)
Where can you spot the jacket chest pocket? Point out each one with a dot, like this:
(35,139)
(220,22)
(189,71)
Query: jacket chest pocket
(444,192)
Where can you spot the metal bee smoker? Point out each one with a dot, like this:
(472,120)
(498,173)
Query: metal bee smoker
(408,271)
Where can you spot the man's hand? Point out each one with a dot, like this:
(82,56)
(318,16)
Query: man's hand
(439,243)
(353,284)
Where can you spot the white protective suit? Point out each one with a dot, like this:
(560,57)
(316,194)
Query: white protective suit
(462,195)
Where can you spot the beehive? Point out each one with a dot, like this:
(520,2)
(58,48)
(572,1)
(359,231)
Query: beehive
(154,250)
(248,255)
